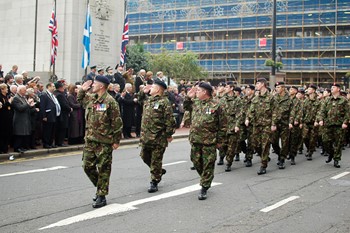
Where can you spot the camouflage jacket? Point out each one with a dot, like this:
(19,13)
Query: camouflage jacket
(103,121)
(246,102)
(297,110)
(310,109)
(260,110)
(334,111)
(233,111)
(158,122)
(282,107)
(207,122)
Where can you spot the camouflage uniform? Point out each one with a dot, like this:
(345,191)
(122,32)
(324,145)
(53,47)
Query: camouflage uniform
(247,131)
(205,133)
(282,107)
(295,132)
(334,113)
(310,132)
(103,129)
(234,119)
(260,116)
(223,150)
(158,124)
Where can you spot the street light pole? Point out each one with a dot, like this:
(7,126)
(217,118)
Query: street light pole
(274,35)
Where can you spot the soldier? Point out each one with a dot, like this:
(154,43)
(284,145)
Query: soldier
(206,133)
(233,108)
(325,96)
(260,116)
(221,97)
(309,123)
(334,116)
(281,121)
(295,124)
(158,126)
(301,97)
(102,136)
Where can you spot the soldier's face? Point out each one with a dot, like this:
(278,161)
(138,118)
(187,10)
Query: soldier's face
(154,89)
(310,90)
(200,93)
(259,85)
(335,90)
(292,91)
(96,86)
(279,89)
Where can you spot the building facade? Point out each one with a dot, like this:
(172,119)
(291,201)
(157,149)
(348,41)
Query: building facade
(233,37)
(18,45)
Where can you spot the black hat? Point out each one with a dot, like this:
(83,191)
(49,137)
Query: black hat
(302,91)
(231,84)
(279,84)
(160,83)
(58,85)
(261,80)
(222,84)
(313,86)
(108,68)
(92,67)
(206,86)
(336,85)
(238,89)
(102,79)
(294,87)
(251,87)
(99,70)
(328,90)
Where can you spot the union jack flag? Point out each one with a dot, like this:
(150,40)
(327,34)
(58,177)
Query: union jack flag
(54,36)
(125,40)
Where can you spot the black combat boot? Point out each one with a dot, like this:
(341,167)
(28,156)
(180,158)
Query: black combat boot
(100,202)
(237,157)
(153,187)
(262,171)
(163,171)
(329,159)
(203,194)
(336,164)
(95,198)
(322,151)
(281,164)
(248,163)
(309,156)
(300,152)
(221,161)
(292,160)
(192,168)
(228,168)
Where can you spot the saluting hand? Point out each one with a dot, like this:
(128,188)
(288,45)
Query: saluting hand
(86,85)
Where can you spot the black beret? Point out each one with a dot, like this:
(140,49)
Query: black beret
(261,80)
(58,85)
(279,84)
(149,82)
(294,87)
(251,87)
(230,83)
(302,91)
(102,79)
(238,89)
(222,84)
(206,86)
(92,67)
(313,86)
(159,82)
(336,85)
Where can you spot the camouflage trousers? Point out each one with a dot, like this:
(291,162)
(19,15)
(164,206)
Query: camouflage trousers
(233,145)
(333,139)
(282,132)
(152,155)
(262,141)
(310,135)
(247,134)
(97,164)
(203,158)
(223,150)
(294,140)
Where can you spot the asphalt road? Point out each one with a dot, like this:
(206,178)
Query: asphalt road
(301,198)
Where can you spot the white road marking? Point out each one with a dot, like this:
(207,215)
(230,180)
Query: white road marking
(340,175)
(119,208)
(34,171)
(174,163)
(279,204)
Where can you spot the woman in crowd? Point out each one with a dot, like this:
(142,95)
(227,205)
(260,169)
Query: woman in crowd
(5,118)
(76,118)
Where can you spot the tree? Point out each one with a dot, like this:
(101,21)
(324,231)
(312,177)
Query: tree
(137,58)
(178,65)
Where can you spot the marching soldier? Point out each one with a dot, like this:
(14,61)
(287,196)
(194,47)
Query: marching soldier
(260,116)
(206,133)
(221,97)
(103,133)
(295,124)
(334,117)
(157,127)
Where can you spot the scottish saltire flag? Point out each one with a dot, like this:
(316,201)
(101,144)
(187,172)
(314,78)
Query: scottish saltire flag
(125,40)
(86,40)
(54,36)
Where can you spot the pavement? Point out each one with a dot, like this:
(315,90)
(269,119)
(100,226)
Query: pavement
(180,133)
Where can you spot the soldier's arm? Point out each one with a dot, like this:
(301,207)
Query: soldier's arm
(239,113)
(274,109)
(82,97)
(170,122)
(116,122)
(222,122)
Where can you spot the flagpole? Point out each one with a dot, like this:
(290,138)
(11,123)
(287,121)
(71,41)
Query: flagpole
(35,32)
(87,5)
(125,2)
(54,64)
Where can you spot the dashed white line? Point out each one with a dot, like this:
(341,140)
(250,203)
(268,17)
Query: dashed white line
(340,175)
(279,204)
(174,163)
(34,171)
(119,208)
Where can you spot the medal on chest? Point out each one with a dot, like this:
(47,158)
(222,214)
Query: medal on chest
(156,106)
(100,107)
